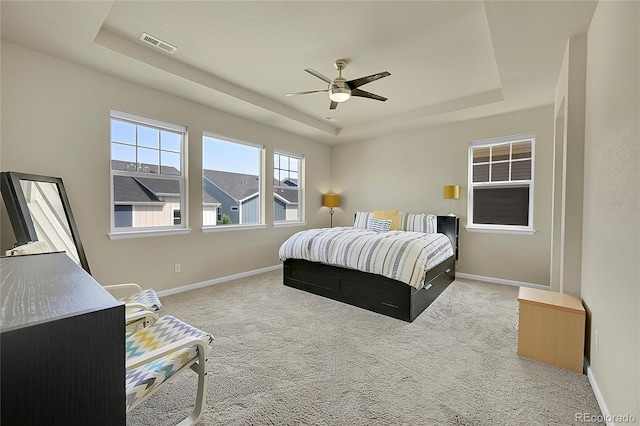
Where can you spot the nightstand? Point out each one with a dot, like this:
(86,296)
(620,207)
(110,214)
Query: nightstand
(551,328)
(450,225)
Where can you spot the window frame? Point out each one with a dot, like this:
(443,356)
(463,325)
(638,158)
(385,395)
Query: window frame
(148,231)
(261,186)
(300,220)
(484,143)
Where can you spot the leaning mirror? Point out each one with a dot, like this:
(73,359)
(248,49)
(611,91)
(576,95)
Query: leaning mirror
(39,210)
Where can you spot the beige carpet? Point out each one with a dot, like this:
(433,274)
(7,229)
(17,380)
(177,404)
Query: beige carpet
(285,357)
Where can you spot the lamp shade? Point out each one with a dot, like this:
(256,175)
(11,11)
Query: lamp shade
(331,200)
(451,191)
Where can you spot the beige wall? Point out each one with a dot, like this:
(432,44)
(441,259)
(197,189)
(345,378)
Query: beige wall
(408,170)
(55,121)
(568,169)
(611,230)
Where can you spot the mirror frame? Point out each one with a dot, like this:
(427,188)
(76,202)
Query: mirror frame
(20,217)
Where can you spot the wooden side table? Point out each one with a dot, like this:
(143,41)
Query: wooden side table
(551,328)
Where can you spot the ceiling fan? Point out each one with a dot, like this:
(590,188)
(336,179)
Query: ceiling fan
(340,89)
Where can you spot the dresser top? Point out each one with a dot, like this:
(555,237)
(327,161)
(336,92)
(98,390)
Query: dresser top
(44,287)
(553,299)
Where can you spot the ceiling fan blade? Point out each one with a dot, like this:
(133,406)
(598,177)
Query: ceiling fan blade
(363,94)
(333,105)
(320,76)
(307,92)
(368,79)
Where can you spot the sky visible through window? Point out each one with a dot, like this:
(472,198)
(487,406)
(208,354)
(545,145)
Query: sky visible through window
(218,154)
(230,157)
(150,145)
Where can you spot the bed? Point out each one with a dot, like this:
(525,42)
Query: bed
(386,292)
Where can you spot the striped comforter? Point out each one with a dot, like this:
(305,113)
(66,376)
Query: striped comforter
(399,255)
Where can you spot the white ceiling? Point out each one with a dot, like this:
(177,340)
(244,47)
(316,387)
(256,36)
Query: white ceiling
(449,60)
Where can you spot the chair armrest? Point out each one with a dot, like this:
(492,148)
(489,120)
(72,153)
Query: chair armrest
(123,290)
(141,314)
(138,306)
(202,344)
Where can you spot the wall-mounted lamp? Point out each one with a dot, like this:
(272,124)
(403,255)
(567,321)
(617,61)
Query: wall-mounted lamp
(451,192)
(331,201)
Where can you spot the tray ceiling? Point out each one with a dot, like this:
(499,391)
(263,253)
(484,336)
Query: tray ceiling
(449,61)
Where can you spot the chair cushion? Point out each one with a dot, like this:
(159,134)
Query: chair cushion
(147,297)
(142,381)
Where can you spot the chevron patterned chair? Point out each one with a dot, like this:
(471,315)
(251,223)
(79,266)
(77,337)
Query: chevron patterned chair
(156,353)
(141,306)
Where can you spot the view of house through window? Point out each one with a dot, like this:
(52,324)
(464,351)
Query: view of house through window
(501,183)
(287,187)
(147,180)
(231,182)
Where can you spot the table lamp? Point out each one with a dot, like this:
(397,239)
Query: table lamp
(451,192)
(331,201)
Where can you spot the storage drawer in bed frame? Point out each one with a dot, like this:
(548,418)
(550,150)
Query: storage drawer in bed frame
(369,291)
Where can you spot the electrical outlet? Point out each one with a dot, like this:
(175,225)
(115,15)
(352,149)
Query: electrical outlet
(596,340)
(176,267)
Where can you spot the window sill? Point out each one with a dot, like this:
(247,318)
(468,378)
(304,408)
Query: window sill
(516,231)
(287,224)
(223,228)
(147,233)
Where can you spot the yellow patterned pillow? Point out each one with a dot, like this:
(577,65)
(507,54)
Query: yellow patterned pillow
(387,214)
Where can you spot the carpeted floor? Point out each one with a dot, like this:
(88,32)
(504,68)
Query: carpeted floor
(285,357)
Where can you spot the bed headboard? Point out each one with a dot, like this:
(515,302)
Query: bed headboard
(450,225)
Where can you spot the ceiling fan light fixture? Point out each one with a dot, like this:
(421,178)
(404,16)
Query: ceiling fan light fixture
(340,89)
(339,94)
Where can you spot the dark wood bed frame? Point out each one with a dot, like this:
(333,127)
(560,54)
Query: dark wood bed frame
(375,292)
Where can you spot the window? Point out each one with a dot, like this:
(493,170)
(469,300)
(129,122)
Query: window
(232,184)
(147,179)
(287,187)
(501,184)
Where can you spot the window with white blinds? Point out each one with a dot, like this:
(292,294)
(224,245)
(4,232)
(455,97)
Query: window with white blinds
(501,184)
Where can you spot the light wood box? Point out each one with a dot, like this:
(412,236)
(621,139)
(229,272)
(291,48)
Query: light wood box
(551,328)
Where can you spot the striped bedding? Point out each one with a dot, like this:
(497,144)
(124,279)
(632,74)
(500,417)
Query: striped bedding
(400,255)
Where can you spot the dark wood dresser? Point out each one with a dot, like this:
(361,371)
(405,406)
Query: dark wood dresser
(61,345)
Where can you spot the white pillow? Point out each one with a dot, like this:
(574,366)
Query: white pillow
(426,223)
(379,225)
(362,219)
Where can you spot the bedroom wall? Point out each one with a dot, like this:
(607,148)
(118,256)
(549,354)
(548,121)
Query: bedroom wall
(611,229)
(407,171)
(55,121)
(566,224)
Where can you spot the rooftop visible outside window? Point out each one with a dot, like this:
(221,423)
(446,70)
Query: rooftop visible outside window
(231,182)
(147,179)
(287,187)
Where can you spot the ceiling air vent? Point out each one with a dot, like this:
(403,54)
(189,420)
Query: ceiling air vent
(156,42)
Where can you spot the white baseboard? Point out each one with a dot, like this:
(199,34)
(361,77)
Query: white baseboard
(500,281)
(599,398)
(218,280)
